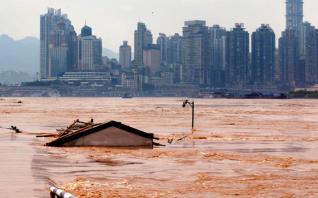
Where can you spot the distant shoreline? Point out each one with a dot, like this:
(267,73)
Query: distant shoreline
(97,92)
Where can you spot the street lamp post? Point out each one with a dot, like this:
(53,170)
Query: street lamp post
(191,104)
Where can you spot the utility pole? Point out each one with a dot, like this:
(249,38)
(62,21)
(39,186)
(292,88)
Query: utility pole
(191,104)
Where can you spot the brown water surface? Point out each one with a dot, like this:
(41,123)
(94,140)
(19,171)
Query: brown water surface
(240,148)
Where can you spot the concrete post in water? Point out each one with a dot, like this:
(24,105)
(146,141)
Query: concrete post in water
(58,193)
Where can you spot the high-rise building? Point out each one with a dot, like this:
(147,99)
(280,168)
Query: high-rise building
(263,56)
(58,48)
(89,51)
(303,35)
(195,53)
(56,33)
(143,38)
(163,42)
(237,57)
(47,23)
(151,58)
(217,41)
(125,55)
(289,59)
(174,49)
(310,54)
(294,14)
(72,51)
(295,64)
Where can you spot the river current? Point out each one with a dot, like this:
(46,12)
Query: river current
(241,148)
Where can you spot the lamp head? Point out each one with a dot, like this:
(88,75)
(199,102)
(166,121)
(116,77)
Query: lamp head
(185,103)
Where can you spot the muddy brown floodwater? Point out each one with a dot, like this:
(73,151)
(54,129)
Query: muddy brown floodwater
(240,148)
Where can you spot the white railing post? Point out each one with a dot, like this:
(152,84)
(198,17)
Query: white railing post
(58,193)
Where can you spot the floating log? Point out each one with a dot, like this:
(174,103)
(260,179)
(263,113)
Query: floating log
(47,135)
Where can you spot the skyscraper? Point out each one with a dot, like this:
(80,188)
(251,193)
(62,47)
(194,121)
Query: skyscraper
(295,64)
(263,56)
(143,38)
(90,51)
(56,31)
(163,42)
(294,14)
(151,58)
(174,49)
(125,55)
(72,51)
(237,56)
(217,47)
(289,58)
(303,34)
(58,50)
(195,53)
(174,57)
(310,54)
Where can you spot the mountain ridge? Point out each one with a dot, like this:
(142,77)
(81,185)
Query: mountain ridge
(23,55)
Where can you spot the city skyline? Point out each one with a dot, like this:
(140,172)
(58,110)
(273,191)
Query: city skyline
(208,56)
(113,33)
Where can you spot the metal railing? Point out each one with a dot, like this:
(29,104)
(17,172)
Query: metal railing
(58,193)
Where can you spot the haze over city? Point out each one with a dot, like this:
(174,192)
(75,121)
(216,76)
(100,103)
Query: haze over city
(115,21)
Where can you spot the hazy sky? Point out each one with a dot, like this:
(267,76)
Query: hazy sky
(115,20)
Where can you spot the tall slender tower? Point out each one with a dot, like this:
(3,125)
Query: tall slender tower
(57,37)
(217,42)
(195,52)
(174,49)
(163,41)
(263,56)
(143,38)
(290,69)
(125,55)
(237,55)
(294,14)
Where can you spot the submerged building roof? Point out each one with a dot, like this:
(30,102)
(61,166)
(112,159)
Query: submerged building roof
(61,141)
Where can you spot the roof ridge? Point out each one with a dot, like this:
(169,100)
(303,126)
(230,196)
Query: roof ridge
(80,133)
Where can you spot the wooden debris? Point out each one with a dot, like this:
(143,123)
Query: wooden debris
(183,138)
(158,144)
(47,135)
(77,126)
(14,128)
(171,140)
